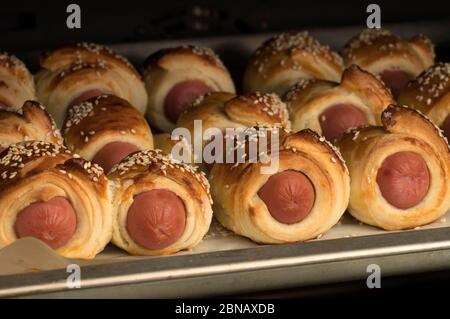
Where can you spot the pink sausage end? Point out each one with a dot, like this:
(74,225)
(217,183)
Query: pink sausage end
(395,80)
(289,196)
(112,153)
(156,219)
(338,118)
(446,127)
(85,96)
(181,96)
(54,222)
(403,179)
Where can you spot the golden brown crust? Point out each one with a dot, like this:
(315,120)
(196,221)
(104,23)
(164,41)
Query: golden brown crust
(243,110)
(71,70)
(364,149)
(376,50)
(288,57)
(402,119)
(92,124)
(152,169)
(307,99)
(38,171)
(235,186)
(25,159)
(430,92)
(90,53)
(257,108)
(167,67)
(16,82)
(31,122)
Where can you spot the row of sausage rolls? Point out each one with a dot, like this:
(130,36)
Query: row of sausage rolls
(173,79)
(397,178)
(288,57)
(106,128)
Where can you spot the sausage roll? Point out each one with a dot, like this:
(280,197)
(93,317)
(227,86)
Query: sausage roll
(105,129)
(430,93)
(161,206)
(219,111)
(331,108)
(300,200)
(394,60)
(64,200)
(400,172)
(288,57)
(31,122)
(176,77)
(16,82)
(73,73)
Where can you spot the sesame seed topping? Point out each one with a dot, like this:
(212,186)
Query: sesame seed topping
(432,83)
(292,93)
(76,114)
(100,50)
(272,106)
(15,65)
(12,159)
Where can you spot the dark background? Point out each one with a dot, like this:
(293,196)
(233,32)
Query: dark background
(28,25)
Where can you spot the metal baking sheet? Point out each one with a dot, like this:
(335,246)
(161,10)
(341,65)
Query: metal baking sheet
(225,263)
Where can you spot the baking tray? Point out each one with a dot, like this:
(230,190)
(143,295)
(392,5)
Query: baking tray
(225,263)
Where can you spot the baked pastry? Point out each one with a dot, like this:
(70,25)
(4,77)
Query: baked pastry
(63,199)
(394,60)
(299,199)
(175,77)
(331,108)
(178,147)
(218,113)
(161,206)
(287,58)
(74,73)
(400,172)
(105,129)
(430,93)
(31,122)
(16,82)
